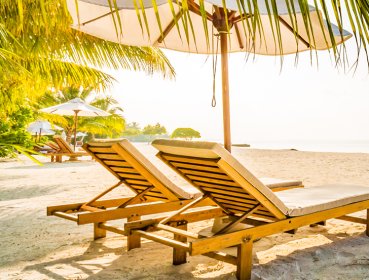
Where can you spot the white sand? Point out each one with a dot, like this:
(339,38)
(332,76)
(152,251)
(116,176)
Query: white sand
(34,246)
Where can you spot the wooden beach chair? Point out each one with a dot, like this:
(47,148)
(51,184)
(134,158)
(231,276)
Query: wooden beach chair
(64,149)
(245,200)
(154,192)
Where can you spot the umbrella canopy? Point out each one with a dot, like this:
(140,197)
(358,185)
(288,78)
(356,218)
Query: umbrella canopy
(98,18)
(42,127)
(81,134)
(75,107)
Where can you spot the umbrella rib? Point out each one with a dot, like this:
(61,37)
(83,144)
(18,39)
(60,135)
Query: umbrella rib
(238,35)
(100,17)
(193,7)
(169,27)
(242,17)
(289,27)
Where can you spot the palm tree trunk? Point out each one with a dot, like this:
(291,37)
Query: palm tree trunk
(69,137)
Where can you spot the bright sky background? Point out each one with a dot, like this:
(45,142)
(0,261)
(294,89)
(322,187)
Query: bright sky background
(304,102)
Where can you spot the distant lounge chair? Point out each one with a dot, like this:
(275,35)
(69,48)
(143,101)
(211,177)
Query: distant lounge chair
(245,199)
(154,192)
(63,149)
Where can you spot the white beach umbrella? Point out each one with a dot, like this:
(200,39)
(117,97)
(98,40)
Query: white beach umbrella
(75,107)
(99,18)
(42,128)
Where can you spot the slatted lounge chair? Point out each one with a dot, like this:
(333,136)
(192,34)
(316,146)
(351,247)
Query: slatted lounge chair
(154,192)
(65,150)
(245,199)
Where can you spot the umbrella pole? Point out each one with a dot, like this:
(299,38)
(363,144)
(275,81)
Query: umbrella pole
(75,128)
(225,90)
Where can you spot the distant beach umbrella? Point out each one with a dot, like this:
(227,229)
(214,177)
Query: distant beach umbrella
(81,134)
(182,28)
(42,128)
(75,107)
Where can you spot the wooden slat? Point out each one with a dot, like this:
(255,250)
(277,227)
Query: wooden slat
(227,193)
(171,158)
(240,208)
(162,240)
(216,181)
(108,156)
(145,172)
(196,167)
(138,182)
(102,150)
(124,169)
(234,198)
(118,163)
(222,187)
(251,189)
(131,176)
(246,203)
(205,174)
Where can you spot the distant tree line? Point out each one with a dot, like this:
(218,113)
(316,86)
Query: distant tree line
(134,132)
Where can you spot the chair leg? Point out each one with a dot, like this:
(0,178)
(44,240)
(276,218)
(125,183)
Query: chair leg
(244,260)
(98,232)
(367,222)
(180,255)
(133,241)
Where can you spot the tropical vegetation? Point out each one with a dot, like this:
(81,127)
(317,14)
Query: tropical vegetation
(40,53)
(185,133)
(111,126)
(156,129)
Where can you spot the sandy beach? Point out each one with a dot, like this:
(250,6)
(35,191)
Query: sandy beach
(34,246)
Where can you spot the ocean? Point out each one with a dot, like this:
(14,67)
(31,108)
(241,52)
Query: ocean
(347,146)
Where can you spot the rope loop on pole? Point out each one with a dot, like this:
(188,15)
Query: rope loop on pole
(214,62)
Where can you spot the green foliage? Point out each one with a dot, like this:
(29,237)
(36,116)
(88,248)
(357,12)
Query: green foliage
(111,126)
(40,51)
(132,129)
(13,134)
(156,129)
(38,43)
(185,133)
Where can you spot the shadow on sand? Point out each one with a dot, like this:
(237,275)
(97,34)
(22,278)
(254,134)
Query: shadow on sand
(51,165)
(316,262)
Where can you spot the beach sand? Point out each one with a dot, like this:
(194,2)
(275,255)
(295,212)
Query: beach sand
(34,246)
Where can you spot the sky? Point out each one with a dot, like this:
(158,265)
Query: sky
(302,102)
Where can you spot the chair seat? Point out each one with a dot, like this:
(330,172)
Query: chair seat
(274,183)
(303,201)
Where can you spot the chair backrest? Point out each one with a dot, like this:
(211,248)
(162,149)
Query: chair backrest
(53,145)
(126,163)
(215,172)
(63,145)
